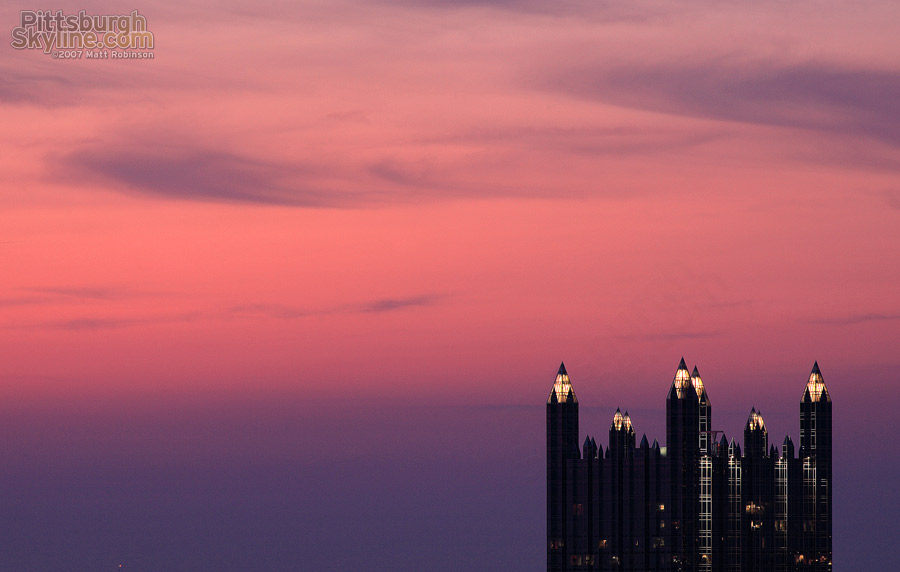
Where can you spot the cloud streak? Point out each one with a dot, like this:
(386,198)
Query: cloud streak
(855,319)
(394,304)
(201,174)
(378,306)
(822,96)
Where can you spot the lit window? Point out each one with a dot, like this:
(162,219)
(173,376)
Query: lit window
(816,385)
(563,387)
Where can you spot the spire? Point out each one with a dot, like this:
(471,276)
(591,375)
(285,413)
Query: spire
(644,443)
(627,422)
(787,448)
(562,391)
(681,381)
(815,386)
(723,445)
(618,422)
(755,421)
(589,448)
(697,382)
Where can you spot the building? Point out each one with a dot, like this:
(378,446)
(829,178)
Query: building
(700,503)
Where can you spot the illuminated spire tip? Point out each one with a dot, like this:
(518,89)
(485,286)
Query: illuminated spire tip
(682,379)
(755,421)
(562,387)
(697,382)
(815,386)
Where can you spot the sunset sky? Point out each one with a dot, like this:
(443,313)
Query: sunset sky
(292,294)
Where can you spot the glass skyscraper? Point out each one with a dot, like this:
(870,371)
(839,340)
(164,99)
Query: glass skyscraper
(700,503)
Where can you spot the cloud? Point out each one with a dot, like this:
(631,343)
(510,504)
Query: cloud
(857,319)
(199,173)
(90,292)
(670,336)
(279,311)
(393,304)
(61,295)
(82,324)
(21,301)
(35,87)
(588,140)
(812,95)
(381,305)
(30,77)
(90,323)
(609,11)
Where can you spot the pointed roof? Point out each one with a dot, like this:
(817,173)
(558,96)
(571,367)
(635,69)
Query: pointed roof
(787,448)
(755,421)
(644,443)
(618,422)
(815,386)
(697,382)
(681,381)
(628,426)
(562,391)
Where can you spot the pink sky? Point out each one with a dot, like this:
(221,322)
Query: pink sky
(341,208)
(439,199)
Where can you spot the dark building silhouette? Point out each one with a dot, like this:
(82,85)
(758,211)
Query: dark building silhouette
(700,503)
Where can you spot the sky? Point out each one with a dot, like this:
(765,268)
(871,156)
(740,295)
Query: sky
(292,294)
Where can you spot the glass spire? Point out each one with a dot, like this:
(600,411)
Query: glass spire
(562,387)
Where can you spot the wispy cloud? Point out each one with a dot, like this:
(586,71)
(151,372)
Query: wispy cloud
(393,304)
(33,87)
(609,11)
(278,311)
(381,305)
(62,295)
(582,140)
(813,95)
(21,301)
(90,292)
(93,323)
(202,173)
(857,319)
(670,336)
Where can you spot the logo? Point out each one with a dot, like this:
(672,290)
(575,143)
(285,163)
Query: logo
(83,35)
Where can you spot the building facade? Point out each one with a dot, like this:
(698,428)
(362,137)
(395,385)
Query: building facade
(699,503)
